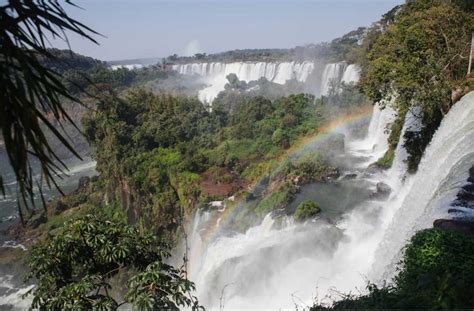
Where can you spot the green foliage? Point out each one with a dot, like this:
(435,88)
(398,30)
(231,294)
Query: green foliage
(419,55)
(152,149)
(74,268)
(436,272)
(279,198)
(386,161)
(281,138)
(310,167)
(345,96)
(306,210)
(31,94)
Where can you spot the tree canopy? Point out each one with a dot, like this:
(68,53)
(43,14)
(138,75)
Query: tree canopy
(76,266)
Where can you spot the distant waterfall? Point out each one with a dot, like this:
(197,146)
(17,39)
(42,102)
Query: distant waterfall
(332,74)
(215,73)
(351,74)
(336,73)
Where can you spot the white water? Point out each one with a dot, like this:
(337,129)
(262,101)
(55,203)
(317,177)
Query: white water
(214,74)
(13,295)
(351,74)
(271,268)
(375,144)
(426,195)
(331,76)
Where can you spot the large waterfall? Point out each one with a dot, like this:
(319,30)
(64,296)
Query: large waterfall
(280,263)
(427,195)
(214,74)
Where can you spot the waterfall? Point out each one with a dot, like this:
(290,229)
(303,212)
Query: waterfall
(351,74)
(426,195)
(271,266)
(375,144)
(332,74)
(266,265)
(215,74)
(412,123)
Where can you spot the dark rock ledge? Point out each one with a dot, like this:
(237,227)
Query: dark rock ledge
(464,199)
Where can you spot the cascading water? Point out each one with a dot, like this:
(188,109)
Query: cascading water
(270,265)
(332,74)
(351,74)
(215,73)
(426,195)
(278,264)
(375,144)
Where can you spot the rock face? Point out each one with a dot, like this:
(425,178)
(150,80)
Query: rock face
(349,176)
(462,226)
(382,191)
(465,197)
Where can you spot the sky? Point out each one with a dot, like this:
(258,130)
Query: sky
(158,28)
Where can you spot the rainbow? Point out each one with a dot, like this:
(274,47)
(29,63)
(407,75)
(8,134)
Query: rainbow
(324,131)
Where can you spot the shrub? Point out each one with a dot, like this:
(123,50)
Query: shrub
(306,209)
(436,272)
(73,269)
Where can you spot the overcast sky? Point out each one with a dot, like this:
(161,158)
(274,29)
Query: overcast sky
(158,28)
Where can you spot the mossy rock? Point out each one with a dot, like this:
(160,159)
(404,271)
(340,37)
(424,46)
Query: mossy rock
(386,161)
(306,209)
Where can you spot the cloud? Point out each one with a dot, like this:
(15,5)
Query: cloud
(192,48)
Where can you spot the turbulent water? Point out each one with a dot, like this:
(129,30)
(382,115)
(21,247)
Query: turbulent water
(280,264)
(11,282)
(214,74)
(427,195)
(376,142)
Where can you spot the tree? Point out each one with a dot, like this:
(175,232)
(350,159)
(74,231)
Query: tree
(75,267)
(32,95)
(280,138)
(306,209)
(419,60)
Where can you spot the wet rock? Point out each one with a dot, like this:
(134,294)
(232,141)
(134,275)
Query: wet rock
(83,184)
(462,226)
(333,175)
(455,211)
(382,191)
(374,168)
(463,203)
(383,188)
(471,175)
(349,176)
(59,206)
(465,195)
(468,188)
(36,220)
